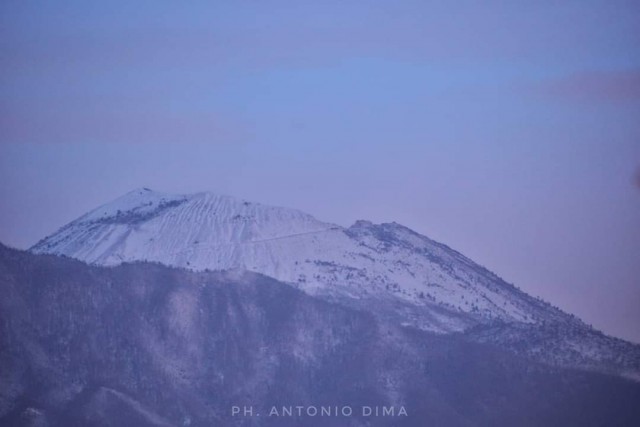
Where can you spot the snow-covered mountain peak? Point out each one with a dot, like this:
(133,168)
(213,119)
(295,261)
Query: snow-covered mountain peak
(387,269)
(143,204)
(365,262)
(150,225)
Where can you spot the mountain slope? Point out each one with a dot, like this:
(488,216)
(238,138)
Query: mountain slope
(147,345)
(386,269)
(205,231)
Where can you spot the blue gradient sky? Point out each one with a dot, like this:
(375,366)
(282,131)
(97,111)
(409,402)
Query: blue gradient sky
(507,130)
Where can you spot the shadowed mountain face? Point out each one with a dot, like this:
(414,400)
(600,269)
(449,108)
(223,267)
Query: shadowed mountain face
(388,270)
(145,345)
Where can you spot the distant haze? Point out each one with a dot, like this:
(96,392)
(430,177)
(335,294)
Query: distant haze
(507,130)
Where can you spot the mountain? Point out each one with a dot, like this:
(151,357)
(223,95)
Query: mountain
(385,269)
(144,344)
(385,262)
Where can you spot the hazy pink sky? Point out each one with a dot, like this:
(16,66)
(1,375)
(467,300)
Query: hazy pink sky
(507,130)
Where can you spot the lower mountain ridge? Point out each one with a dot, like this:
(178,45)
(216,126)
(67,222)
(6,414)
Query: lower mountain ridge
(148,345)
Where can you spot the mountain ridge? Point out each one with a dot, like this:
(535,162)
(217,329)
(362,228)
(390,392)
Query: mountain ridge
(387,268)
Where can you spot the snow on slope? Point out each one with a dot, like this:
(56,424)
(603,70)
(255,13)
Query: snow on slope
(384,265)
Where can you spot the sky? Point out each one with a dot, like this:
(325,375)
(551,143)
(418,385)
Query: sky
(508,130)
